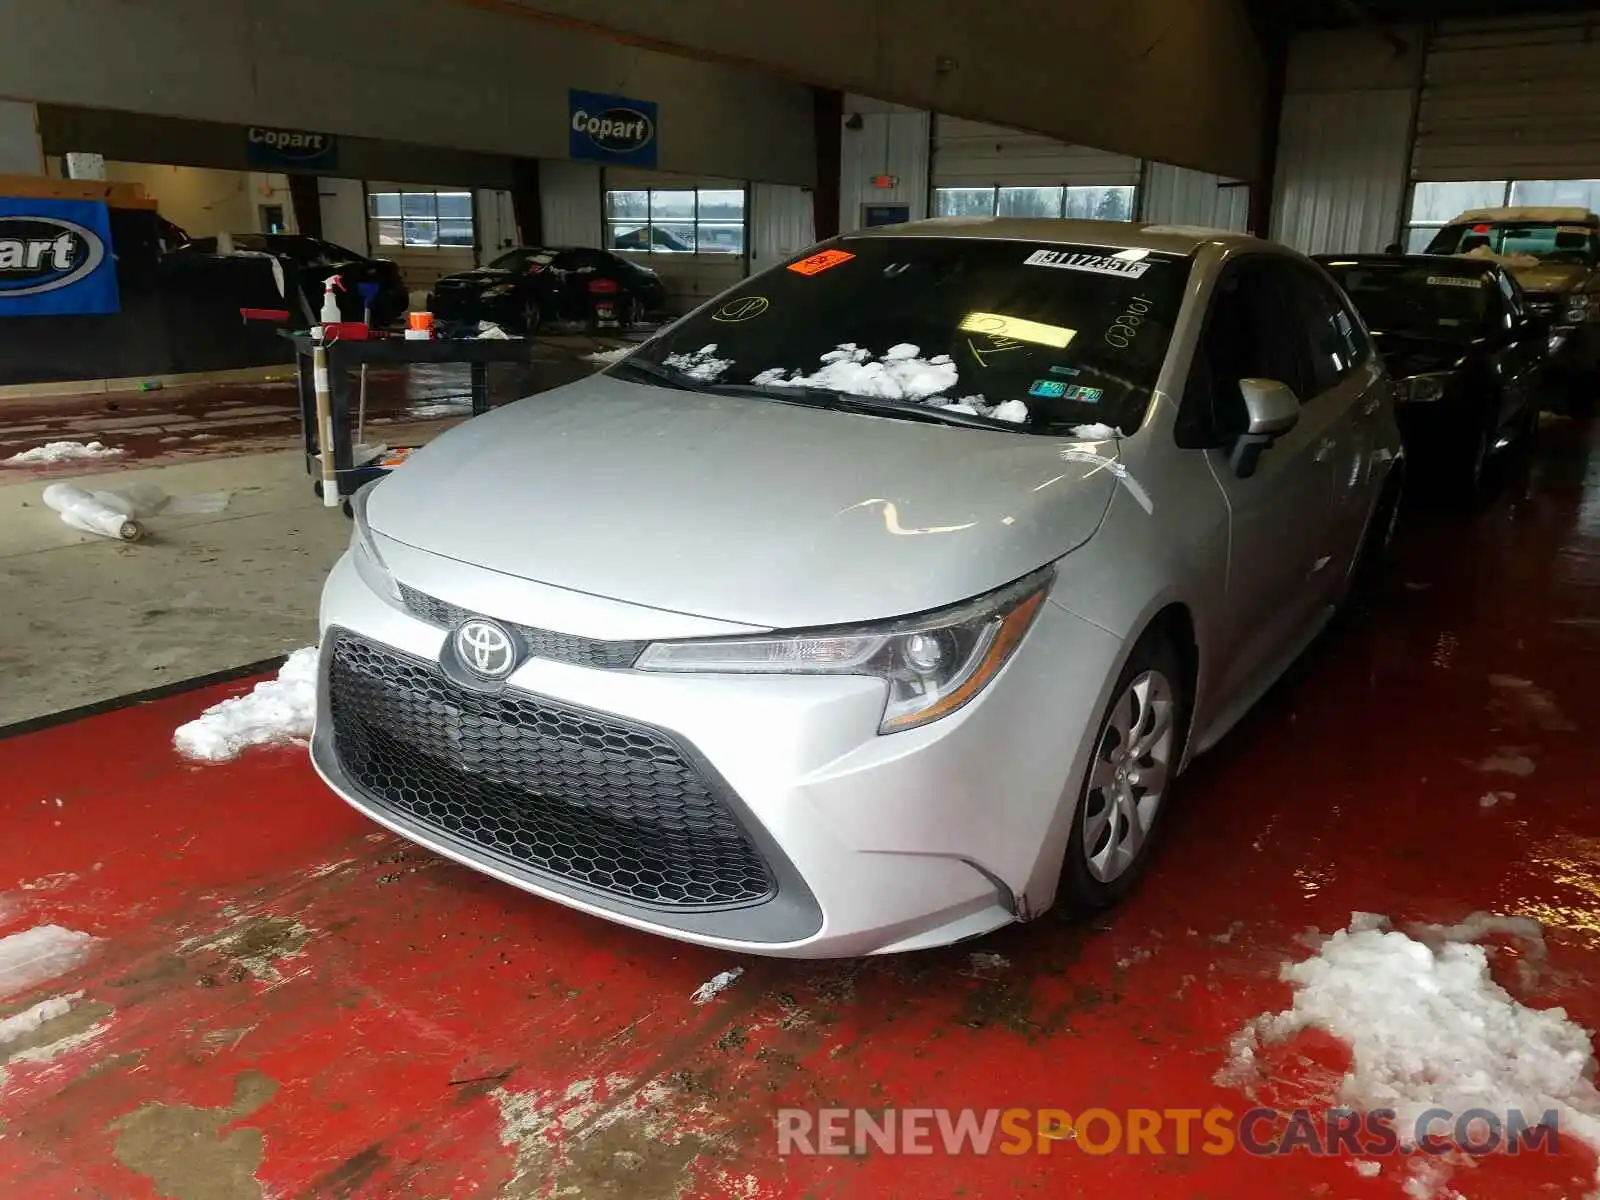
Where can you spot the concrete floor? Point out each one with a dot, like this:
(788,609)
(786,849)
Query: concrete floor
(85,620)
(283,1001)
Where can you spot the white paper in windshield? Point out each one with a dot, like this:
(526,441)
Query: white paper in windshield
(1097,264)
(1466,281)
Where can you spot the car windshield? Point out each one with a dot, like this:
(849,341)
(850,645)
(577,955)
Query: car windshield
(520,260)
(1431,300)
(1041,336)
(1550,241)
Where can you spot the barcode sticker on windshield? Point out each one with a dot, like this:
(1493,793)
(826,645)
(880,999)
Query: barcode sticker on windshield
(1463,281)
(1098,264)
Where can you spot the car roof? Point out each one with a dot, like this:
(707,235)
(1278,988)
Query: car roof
(1119,235)
(1437,262)
(1570,215)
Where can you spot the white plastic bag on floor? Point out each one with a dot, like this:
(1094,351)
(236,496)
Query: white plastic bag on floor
(102,513)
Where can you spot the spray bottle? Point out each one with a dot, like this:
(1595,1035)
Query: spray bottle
(330,303)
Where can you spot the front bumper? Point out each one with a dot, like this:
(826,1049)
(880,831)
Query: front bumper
(872,844)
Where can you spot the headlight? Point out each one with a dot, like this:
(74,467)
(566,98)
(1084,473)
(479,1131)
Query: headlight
(933,664)
(498,290)
(1581,308)
(1421,389)
(364,550)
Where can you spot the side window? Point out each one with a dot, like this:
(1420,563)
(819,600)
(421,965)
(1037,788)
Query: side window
(1330,337)
(1248,334)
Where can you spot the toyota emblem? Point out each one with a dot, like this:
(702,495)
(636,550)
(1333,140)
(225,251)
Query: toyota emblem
(486,649)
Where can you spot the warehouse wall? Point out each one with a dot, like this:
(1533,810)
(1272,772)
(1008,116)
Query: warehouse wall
(413,71)
(344,213)
(1175,82)
(19,140)
(972,154)
(782,222)
(569,202)
(1178,196)
(1345,141)
(892,140)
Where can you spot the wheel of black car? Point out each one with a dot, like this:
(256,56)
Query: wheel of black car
(532,318)
(1137,749)
(1473,460)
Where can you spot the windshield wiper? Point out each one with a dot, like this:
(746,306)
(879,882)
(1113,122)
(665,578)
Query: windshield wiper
(656,373)
(813,397)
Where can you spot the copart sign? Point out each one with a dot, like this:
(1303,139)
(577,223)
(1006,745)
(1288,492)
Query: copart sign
(55,258)
(611,129)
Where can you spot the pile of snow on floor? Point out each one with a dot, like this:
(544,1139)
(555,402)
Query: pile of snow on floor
(611,356)
(716,985)
(703,364)
(35,955)
(1429,1028)
(277,711)
(899,375)
(55,452)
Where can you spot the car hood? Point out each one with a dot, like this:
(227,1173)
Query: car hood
(1551,277)
(1414,354)
(740,509)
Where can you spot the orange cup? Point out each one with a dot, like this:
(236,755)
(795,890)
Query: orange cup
(420,321)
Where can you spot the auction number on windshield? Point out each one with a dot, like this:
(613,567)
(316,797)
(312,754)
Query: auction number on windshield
(1126,327)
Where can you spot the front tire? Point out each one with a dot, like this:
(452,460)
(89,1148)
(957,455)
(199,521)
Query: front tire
(1137,750)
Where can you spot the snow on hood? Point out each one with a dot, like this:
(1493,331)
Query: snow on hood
(740,509)
(1505,260)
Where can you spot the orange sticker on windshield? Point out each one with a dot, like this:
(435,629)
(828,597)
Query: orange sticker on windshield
(819,263)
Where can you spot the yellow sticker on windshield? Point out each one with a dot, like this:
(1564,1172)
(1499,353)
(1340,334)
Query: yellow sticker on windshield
(999,325)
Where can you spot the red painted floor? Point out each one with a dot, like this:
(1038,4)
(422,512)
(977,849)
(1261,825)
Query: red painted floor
(285,1002)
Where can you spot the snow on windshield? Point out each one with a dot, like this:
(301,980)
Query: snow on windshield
(703,364)
(899,375)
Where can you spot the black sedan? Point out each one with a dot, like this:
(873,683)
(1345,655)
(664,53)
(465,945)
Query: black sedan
(313,261)
(526,288)
(1465,352)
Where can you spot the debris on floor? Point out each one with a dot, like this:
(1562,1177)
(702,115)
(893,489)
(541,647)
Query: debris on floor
(275,712)
(55,452)
(35,955)
(90,513)
(716,985)
(1428,1028)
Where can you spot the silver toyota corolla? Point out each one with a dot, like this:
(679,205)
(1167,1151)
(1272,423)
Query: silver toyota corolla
(878,602)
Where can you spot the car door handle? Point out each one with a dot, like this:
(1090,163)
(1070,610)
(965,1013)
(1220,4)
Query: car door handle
(1324,448)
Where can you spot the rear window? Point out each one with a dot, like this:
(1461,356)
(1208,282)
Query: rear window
(1426,299)
(1552,241)
(1044,336)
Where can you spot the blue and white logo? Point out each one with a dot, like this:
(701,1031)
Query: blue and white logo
(611,129)
(55,258)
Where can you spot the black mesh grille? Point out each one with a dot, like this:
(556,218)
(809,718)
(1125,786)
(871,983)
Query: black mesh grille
(539,643)
(615,807)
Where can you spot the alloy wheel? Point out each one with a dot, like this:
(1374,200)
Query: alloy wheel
(1128,779)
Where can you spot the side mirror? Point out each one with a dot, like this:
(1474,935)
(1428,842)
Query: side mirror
(1272,410)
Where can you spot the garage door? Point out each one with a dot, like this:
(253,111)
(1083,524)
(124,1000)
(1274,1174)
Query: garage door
(1511,100)
(978,168)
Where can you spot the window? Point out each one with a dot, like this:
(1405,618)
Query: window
(1329,335)
(1097,203)
(1435,205)
(676,220)
(432,220)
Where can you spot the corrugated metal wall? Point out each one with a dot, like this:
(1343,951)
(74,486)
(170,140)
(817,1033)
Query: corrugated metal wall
(892,140)
(969,154)
(1178,196)
(782,221)
(1511,99)
(1345,140)
(1342,170)
(569,202)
